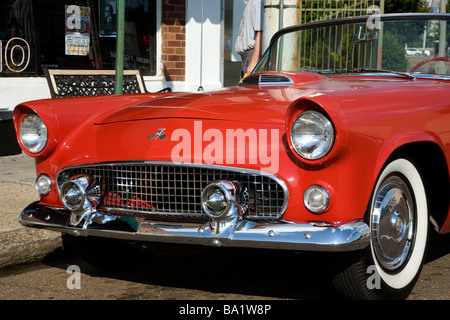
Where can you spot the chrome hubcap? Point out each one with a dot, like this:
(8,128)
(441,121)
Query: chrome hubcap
(392,224)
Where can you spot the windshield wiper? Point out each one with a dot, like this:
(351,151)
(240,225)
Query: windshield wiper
(405,75)
(360,70)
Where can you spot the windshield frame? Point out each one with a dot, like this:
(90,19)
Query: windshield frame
(355,20)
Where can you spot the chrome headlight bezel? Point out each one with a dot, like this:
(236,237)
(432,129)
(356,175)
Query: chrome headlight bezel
(312,135)
(33,133)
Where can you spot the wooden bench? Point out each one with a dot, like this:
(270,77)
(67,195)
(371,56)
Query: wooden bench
(80,83)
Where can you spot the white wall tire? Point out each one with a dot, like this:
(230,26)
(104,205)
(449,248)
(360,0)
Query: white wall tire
(398,219)
(409,267)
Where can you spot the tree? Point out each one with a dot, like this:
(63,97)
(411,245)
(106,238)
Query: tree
(393,54)
(401,6)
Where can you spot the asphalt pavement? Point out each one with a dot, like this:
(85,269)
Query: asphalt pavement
(19,244)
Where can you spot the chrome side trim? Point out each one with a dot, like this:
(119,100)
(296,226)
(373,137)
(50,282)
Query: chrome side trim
(281,235)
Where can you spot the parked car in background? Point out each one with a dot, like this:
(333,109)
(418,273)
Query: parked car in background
(332,145)
(414,52)
(418,52)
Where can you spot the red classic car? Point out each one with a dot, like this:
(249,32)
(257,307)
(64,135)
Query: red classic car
(337,142)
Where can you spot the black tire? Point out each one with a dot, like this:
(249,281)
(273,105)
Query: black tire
(398,217)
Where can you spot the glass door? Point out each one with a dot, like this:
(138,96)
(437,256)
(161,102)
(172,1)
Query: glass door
(233,10)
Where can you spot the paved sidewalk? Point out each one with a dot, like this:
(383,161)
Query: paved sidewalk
(17,243)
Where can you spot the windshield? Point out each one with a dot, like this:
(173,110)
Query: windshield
(415,44)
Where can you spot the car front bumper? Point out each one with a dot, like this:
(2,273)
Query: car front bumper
(278,234)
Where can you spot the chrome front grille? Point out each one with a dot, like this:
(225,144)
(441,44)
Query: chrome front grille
(154,188)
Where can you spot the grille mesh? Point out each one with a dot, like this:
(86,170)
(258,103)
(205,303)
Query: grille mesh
(144,189)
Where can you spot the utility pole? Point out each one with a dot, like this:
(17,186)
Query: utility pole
(440,66)
(279,14)
(443,31)
(120,46)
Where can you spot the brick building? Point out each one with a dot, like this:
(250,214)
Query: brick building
(173,34)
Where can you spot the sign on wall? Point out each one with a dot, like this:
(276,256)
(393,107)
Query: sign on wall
(77,30)
(15,55)
(108,18)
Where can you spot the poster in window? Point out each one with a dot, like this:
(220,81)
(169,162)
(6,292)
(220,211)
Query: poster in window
(77,30)
(108,21)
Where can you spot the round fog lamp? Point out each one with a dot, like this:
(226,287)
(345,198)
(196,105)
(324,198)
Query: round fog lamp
(214,200)
(218,198)
(43,184)
(316,199)
(72,195)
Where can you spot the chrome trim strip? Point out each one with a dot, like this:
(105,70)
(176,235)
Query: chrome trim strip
(281,235)
(192,165)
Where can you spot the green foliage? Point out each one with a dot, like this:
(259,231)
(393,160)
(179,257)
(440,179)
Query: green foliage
(393,54)
(320,10)
(314,10)
(343,59)
(323,50)
(401,6)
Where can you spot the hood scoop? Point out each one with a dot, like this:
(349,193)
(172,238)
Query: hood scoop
(268,79)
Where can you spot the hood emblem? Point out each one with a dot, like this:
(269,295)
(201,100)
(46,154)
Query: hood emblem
(159,134)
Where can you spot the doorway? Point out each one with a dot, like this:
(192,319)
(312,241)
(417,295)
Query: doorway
(233,10)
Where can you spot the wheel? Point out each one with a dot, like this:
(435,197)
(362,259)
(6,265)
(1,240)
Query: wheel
(398,219)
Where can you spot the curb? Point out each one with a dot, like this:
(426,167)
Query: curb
(27,245)
(19,244)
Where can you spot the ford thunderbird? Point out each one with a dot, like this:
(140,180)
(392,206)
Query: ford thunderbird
(337,142)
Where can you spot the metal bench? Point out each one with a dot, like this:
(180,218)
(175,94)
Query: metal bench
(79,83)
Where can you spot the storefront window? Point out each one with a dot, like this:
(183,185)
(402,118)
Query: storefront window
(74,34)
(17,37)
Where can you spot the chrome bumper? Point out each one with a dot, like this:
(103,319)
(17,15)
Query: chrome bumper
(281,235)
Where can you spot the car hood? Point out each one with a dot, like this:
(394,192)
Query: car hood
(251,103)
(258,103)
(223,105)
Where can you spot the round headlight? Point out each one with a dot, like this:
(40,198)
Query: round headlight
(312,135)
(33,133)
